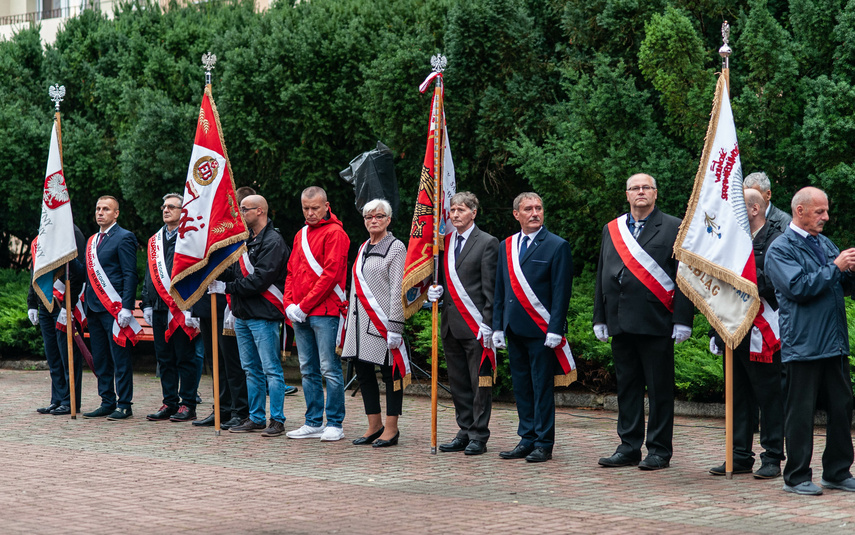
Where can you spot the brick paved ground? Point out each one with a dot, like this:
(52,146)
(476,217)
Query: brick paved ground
(94,476)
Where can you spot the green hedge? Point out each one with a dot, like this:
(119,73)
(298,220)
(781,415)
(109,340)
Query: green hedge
(18,337)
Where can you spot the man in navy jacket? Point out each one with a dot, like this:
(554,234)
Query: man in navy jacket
(117,254)
(811,276)
(546,264)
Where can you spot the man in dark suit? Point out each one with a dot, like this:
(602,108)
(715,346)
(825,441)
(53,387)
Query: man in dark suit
(543,263)
(114,268)
(467,314)
(638,303)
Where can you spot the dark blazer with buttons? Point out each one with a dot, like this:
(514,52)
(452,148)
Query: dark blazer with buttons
(476,268)
(548,268)
(622,302)
(118,257)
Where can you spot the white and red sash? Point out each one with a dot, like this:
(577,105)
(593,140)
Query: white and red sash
(400,359)
(765,334)
(641,264)
(79,310)
(272,294)
(470,313)
(109,297)
(529,301)
(339,291)
(175,317)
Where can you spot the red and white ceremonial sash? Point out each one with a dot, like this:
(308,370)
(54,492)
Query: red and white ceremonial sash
(109,297)
(529,301)
(79,310)
(641,264)
(765,334)
(400,359)
(339,292)
(470,313)
(175,317)
(272,294)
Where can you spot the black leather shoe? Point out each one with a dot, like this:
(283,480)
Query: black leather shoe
(737,469)
(184,414)
(475,447)
(618,459)
(364,441)
(100,412)
(121,414)
(46,410)
(228,424)
(768,471)
(539,455)
(519,452)
(163,413)
(61,410)
(458,444)
(653,462)
(207,421)
(386,443)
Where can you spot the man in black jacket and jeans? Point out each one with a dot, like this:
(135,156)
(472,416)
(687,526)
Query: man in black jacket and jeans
(255,285)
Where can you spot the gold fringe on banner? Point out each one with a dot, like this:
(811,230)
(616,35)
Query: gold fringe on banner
(565,380)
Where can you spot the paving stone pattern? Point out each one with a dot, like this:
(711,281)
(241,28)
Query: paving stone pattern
(92,476)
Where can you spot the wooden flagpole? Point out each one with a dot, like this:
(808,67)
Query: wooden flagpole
(437,213)
(215,363)
(724,52)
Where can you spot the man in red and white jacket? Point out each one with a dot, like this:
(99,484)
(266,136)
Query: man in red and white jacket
(315,303)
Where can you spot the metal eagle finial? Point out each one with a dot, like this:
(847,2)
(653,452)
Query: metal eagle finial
(56,92)
(725,51)
(208,61)
(438,62)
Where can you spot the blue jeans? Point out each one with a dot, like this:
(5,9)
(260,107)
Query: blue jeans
(315,340)
(258,343)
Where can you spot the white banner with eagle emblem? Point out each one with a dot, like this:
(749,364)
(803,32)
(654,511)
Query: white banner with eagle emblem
(55,245)
(714,247)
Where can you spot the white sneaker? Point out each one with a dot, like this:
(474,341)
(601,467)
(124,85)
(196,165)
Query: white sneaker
(306,431)
(331,434)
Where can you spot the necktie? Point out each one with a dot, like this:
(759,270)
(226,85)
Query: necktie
(100,239)
(638,226)
(813,241)
(523,245)
(458,247)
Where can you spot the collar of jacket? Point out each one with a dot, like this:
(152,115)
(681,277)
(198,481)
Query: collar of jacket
(258,238)
(331,219)
(381,248)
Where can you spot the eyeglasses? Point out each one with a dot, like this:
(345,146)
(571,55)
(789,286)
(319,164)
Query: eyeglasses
(170,207)
(378,217)
(635,189)
(245,209)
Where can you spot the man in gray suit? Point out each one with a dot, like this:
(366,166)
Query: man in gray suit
(469,273)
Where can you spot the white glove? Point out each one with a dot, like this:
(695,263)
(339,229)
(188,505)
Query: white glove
(295,313)
(394,340)
(217,287)
(499,339)
(124,318)
(486,334)
(192,322)
(33,314)
(601,331)
(435,292)
(552,340)
(148,314)
(681,333)
(229,321)
(63,316)
(714,349)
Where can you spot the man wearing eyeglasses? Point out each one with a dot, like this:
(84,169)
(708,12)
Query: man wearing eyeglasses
(173,328)
(315,303)
(638,304)
(255,285)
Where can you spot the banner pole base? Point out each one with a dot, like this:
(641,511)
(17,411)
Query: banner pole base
(728,475)
(217,433)
(433,451)
(74,417)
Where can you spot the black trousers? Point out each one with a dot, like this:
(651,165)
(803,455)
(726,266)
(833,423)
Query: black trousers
(642,360)
(179,365)
(233,396)
(56,352)
(806,381)
(472,404)
(367,377)
(533,374)
(757,384)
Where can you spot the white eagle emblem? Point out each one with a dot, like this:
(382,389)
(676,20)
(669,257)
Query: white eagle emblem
(56,194)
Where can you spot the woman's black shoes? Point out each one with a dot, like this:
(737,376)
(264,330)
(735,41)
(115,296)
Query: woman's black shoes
(369,439)
(386,443)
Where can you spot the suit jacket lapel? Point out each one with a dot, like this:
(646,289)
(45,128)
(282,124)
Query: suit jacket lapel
(651,228)
(534,245)
(467,246)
